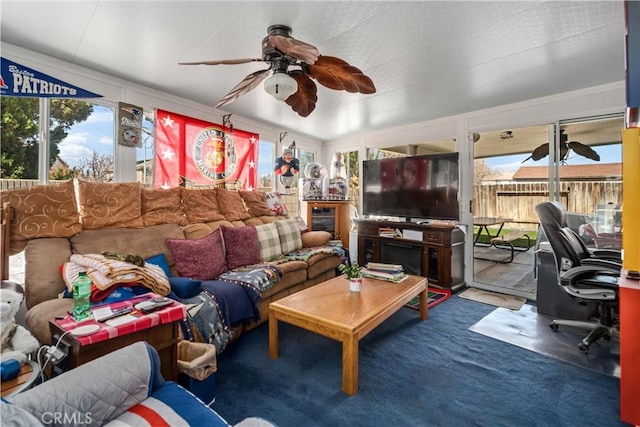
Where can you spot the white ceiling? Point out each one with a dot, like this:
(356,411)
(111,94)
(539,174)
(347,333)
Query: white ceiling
(427,59)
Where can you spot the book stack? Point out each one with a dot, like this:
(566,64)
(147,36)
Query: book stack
(389,272)
(387,232)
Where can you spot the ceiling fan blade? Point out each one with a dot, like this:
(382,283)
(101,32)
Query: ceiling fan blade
(246,85)
(337,74)
(539,153)
(292,47)
(304,100)
(584,150)
(224,61)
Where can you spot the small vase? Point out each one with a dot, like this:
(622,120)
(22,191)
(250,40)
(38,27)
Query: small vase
(355,284)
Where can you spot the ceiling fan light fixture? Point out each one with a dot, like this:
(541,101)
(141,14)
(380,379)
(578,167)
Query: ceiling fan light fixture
(280,85)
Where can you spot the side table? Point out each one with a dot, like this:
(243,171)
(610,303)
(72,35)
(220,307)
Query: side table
(27,378)
(160,329)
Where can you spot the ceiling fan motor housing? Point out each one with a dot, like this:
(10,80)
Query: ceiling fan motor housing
(268,51)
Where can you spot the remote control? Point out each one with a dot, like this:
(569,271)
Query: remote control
(153,304)
(117,313)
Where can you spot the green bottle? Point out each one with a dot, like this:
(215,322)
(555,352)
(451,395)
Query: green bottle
(81,296)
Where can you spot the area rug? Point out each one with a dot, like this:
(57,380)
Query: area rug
(528,329)
(435,297)
(493,298)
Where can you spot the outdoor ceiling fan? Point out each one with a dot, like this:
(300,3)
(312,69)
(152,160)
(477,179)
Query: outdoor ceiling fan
(292,65)
(578,147)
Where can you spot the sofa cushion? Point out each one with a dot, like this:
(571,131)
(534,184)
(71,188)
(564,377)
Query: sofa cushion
(161,261)
(110,205)
(256,202)
(185,287)
(43,258)
(231,205)
(162,206)
(41,211)
(37,317)
(290,238)
(200,259)
(144,242)
(241,246)
(201,205)
(268,241)
(276,204)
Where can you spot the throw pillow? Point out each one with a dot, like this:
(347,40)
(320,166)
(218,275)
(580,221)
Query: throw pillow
(185,287)
(268,241)
(290,238)
(276,204)
(256,202)
(200,259)
(42,211)
(110,205)
(231,205)
(241,246)
(201,205)
(161,261)
(162,206)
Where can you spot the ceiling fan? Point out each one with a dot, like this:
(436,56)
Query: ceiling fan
(292,65)
(578,147)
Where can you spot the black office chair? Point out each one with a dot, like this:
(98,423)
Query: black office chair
(586,275)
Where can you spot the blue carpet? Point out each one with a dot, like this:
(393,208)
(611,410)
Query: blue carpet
(412,373)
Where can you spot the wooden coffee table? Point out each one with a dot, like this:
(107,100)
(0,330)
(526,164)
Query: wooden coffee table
(331,310)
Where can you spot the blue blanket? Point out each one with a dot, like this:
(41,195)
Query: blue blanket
(237,303)
(228,301)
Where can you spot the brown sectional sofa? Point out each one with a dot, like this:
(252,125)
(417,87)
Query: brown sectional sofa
(126,218)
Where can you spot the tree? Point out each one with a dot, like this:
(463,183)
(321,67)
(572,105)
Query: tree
(19,132)
(484,172)
(60,171)
(99,167)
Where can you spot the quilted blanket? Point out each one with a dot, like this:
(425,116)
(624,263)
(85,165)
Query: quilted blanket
(105,273)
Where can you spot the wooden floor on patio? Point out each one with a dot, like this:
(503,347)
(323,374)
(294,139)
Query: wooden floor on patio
(515,278)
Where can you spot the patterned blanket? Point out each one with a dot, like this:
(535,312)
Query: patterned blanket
(306,253)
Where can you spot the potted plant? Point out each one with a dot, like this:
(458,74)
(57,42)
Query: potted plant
(354,275)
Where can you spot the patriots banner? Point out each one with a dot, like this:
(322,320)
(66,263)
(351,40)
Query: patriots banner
(193,152)
(18,80)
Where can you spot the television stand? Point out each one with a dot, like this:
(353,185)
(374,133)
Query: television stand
(432,251)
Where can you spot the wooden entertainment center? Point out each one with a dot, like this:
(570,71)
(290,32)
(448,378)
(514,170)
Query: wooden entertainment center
(432,251)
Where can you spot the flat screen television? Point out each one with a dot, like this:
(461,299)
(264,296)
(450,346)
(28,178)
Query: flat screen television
(417,187)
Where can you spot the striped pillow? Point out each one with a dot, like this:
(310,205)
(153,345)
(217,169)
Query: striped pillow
(269,242)
(290,238)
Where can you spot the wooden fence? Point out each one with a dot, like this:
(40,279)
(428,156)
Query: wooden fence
(9,184)
(518,200)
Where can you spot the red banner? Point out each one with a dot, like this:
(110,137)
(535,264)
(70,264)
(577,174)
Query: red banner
(196,152)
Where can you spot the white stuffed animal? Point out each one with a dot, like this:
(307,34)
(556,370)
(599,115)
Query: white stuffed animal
(17,341)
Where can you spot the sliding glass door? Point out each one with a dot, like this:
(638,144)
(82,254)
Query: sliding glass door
(577,163)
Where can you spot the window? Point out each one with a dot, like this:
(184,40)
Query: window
(144,154)
(81,139)
(87,151)
(266,159)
